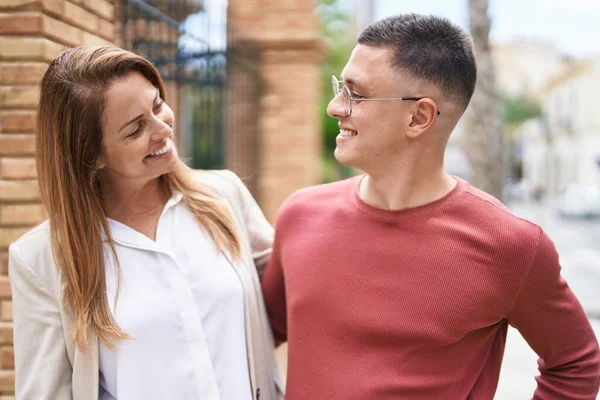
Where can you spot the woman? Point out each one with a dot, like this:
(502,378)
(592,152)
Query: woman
(143,284)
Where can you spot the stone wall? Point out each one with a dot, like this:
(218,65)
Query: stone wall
(32,33)
(286,37)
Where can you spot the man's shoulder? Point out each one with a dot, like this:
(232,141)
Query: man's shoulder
(485,199)
(316,201)
(318,196)
(490,212)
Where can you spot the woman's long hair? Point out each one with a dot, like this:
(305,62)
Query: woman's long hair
(69,141)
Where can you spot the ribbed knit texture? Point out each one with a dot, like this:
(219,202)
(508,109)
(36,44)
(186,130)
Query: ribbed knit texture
(415,304)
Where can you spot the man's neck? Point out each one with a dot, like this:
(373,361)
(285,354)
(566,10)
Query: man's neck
(402,189)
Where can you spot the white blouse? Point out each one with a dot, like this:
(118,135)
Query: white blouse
(182,302)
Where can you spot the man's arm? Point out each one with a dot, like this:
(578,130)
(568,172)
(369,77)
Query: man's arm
(273,287)
(552,321)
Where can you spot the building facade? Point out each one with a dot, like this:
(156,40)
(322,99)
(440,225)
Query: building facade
(562,147)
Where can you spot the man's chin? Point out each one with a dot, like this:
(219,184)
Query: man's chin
(344,158)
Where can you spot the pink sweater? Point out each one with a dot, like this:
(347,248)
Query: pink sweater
(415,304)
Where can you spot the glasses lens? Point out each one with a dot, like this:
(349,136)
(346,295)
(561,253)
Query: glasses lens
(347,102)
(335,86)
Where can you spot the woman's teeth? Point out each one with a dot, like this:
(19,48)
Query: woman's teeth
(344,132)
(162,151)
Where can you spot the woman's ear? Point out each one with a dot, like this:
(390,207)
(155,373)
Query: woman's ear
(100,163)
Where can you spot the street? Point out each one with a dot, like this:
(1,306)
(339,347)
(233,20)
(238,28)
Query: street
(578,244)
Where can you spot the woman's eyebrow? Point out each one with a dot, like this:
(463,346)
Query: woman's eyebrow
(131,121)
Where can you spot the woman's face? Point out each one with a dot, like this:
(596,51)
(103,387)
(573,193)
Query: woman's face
(137,144)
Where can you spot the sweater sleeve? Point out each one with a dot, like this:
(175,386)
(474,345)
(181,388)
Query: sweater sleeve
(273,286)
(552,321)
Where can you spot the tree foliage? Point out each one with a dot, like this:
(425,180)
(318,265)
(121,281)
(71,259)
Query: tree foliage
(520,109)
(336,31)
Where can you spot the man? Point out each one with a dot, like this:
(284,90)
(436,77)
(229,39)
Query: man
(401,283)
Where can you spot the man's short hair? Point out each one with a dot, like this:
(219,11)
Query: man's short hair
(429,48)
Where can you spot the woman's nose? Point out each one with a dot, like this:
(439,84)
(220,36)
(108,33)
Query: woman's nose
(162,128)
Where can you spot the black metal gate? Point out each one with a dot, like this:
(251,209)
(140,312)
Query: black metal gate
(215,92)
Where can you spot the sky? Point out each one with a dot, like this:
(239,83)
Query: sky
(572,25)
(209,26)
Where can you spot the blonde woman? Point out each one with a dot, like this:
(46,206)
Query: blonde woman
(144,282)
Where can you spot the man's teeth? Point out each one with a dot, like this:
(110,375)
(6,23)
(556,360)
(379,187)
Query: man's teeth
(160,152)
(344,132)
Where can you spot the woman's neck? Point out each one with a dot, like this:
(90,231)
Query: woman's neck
(128,201)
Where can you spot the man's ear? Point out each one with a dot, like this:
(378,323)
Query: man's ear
(424,114)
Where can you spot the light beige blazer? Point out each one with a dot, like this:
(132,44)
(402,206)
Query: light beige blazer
(48,365)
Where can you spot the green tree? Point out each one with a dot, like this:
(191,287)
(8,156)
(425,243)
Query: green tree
(337,36)
(519,109)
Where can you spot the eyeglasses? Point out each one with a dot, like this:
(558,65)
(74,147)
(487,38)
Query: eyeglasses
(339,87)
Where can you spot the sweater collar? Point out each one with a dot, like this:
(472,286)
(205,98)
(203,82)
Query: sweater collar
(461,186)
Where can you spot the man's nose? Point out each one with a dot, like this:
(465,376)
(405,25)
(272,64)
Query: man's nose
(335,108)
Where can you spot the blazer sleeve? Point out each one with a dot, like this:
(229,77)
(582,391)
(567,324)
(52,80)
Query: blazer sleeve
(42,368)
(260,232)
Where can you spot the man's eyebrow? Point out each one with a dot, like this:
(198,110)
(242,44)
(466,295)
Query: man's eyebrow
(131,121)
(352,82)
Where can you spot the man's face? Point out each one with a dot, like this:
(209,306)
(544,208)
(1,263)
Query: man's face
(375,132)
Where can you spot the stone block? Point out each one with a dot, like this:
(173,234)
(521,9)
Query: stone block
(5,292)
(87,39)
(3,262)
(7,359)
(17,145)
(6,310)
(24,23)
(7,380)
(106,29)
(61,32)
(9,235)
(19,96)
(12,191)
(80,17)
(101,8)
(18,121)
(28,49)
(21,214)
(17,168)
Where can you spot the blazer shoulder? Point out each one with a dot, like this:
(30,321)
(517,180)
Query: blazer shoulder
(34,249)
(223,179)
(34,242)
(226,184)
